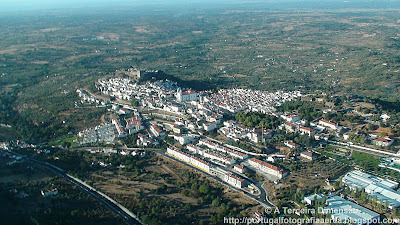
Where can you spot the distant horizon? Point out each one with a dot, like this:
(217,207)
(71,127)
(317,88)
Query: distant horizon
(26,5)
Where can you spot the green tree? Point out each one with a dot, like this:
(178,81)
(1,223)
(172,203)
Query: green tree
(216,202)
(204,189)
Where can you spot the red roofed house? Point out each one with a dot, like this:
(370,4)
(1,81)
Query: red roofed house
(383,142)
(234,180)
(157,131)
(268,168)
(307,131)
(328,124)
(239,168)
(291,144)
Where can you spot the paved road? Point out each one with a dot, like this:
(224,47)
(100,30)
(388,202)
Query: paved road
(119,148)
(363,149)
(128,216)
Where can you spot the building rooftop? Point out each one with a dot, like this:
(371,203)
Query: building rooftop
(345,210)
(360,180)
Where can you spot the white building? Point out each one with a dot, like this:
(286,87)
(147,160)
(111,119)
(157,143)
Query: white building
(179,154)
(201,164)
(109,150)
(209,126)
(291,117)
(308,155)
(328,124)
(268,168)
(322,136)
(383,142)
(193,160)
(183,139)
(291,144)
(344,211)
(307,131)
(134,124)
(157,131)
(186,96)
(234,180)
(290,127)
(52,192)
(239,168)
(120,129)
(218,157)
(310,199)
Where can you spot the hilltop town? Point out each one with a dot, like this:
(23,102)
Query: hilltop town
(258,143)
(200,112)
(252,141)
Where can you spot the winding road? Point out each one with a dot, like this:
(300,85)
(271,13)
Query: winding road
(128,216)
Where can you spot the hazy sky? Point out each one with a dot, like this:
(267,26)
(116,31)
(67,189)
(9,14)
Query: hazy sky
(7,5)
(12,5)
(22,5)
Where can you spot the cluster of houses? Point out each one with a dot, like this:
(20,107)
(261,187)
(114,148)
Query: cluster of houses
(110,151)
(151,94)
(19,194)
(205,108)
(4,145)
(105,132)
(14,159)
(86,97)
(293,124)
(235,100)
(235,131)
(381,141)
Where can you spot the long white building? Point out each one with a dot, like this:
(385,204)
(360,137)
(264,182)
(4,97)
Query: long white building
(199,163)
(218,157)
(328,124)
(268,168)
(215,146)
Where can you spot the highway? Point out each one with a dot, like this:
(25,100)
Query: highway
(128,216)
